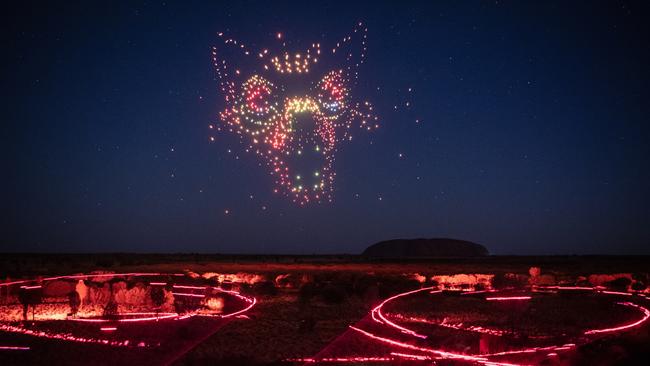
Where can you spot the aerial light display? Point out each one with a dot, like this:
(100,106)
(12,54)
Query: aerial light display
(294,109)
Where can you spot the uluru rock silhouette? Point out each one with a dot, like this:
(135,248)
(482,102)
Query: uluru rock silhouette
(422,248)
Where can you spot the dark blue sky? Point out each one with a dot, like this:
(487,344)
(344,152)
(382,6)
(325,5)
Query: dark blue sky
(533,132)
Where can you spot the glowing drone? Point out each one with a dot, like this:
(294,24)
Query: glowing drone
(293,109)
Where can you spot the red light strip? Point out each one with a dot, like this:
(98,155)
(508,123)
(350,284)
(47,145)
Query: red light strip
(568,288)
(31,287)
(14,348)
(252,303)
(412,357)
(133,274)
(442,354)
(191,287)
(483,359)
(186,294)
(67,337)
(477,292)
(616,293)
(457,326)
(342,359)
(107,329)
(377,311)
(160,316)
(507,298)
(646,315)
(2,284)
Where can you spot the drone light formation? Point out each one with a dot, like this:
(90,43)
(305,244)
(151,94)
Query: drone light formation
(295,131)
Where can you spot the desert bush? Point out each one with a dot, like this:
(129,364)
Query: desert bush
(640,281)
(637,276)
(157,296)
(184,304)
(110,310)
(619,284)
(501,281)
(265,288)
(29,297)
(638,286)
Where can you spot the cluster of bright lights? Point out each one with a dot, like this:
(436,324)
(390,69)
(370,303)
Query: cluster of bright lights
(268,117)
(419,352)
(294,63)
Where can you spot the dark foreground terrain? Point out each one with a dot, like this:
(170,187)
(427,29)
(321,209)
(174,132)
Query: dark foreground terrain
(305,305)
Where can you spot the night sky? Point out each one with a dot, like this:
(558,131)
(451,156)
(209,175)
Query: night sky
(525,128)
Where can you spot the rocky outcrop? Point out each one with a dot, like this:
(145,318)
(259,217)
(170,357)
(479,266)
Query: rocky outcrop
(423,248)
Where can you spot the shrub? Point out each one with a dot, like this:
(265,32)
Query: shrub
(265,288)
(157,296)
(638,286)
(110,310)
(505,280)
(620,284)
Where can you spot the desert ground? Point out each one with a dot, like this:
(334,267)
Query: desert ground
(340,310)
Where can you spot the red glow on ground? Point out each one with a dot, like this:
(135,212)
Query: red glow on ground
(141,318)
(418,352)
